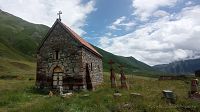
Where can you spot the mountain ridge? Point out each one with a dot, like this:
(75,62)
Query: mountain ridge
(19,40)
(188,66)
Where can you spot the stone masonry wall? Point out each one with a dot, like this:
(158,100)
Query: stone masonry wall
(69,57)
(95,66)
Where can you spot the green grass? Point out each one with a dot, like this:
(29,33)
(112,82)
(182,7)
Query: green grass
(20,95)
(16,68)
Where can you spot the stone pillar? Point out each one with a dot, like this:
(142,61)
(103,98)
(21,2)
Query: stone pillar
(194,86)
(112,75)
(112,78)
(61,90)
(123,78)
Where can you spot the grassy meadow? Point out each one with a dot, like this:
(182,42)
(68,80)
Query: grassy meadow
(18,94)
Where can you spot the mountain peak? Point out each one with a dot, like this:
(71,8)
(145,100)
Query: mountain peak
(180,67)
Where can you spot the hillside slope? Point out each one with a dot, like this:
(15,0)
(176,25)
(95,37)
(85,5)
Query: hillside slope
(180,67)
(131,65)
(19,40)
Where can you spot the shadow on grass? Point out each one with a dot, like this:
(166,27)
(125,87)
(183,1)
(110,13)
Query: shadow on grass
(8,77)
(38,91)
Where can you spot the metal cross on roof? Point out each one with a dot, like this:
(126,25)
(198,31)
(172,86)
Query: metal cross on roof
(59,13)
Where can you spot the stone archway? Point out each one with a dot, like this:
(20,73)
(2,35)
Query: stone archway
(57,77)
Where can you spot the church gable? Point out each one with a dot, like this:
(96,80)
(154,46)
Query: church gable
(58,38)
(70,33)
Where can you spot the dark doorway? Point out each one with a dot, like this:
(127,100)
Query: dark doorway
(88,79)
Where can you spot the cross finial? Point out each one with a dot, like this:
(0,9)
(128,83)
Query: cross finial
(59,13)
(111,62)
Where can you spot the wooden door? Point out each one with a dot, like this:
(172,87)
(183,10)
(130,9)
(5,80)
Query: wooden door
(57,78)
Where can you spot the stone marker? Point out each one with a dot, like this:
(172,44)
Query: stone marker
(194,86)
(86,95)
(135,95)
(64,94)
(112,75)
(195,96)
(117,95)
(169,96)
(61,90)
(123,78)
(50,93)
(136,99)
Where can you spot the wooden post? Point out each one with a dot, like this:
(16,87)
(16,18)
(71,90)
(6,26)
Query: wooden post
(112,75)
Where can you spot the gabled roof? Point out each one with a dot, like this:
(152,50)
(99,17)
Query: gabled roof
(73,35)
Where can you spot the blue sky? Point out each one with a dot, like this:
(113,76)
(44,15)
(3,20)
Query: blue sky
(107,12)
(152,31)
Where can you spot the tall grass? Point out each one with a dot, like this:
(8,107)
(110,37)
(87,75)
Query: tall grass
(21,96)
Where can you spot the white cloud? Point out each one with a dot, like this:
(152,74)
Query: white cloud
(121,22)
(109,34)
(189,3)
(45,11)
(167,39)
(145,8)
(105,42)
(160,13)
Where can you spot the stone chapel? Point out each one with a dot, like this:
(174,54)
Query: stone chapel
(65,59)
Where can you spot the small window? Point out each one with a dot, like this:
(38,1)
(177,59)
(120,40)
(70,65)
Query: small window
(57,54)
(91,66)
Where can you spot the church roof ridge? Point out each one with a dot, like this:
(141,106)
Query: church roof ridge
(80,39)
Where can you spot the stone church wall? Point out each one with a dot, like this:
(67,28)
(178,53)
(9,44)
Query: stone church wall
(69,56)
(95,67)
(72,58)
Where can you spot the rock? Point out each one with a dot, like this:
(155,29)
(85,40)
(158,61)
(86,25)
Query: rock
(50,93)
(169,96)
(127,105)
(135,95)
(195,96)
(116,95)
(67,94)
(86,95)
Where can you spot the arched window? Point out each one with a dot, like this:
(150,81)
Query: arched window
(91,66)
